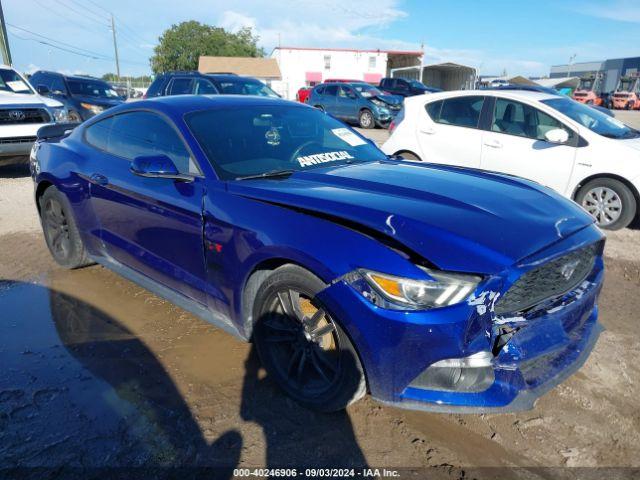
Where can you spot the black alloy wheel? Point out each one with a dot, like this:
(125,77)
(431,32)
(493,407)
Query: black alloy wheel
(301,344)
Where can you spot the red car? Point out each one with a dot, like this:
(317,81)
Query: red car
(303,94)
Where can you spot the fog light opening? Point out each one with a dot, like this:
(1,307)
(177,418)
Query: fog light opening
(469,374)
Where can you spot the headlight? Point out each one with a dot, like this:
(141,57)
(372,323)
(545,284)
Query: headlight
(378,103)
(93,108)
(389,291)
(59,114)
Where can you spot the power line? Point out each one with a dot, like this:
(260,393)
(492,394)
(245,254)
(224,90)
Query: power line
(43,42)
(58,41)
(76,50)
(68,19)
(78,12)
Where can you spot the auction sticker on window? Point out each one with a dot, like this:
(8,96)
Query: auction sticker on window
(348,136)
(309,160)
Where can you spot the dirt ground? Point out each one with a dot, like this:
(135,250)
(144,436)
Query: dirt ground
(97,372)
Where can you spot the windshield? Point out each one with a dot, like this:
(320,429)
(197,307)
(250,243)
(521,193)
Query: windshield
(366,90)
(417,84)
(245,87)
(593,119)
(10,81)
(253,140)
(92,88)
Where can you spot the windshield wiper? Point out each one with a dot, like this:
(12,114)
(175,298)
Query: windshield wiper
(269,174)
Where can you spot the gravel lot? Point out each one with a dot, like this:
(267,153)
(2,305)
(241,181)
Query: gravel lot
(96,371)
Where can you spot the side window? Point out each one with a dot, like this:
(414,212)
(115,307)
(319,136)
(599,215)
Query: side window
(515,118)
(402,85)
(40,79)
(204,87)
(433,110)
(57,85)
(139,134)
(331,90)
(180,86)
(345,92)
(320,90)
(155,88)
(97,135)
(461,111)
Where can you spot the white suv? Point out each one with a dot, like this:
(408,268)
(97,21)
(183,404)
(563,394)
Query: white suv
(577,150)
(22,113)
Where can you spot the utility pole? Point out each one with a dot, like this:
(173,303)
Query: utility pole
(571,59)
(4,41)
(115,46)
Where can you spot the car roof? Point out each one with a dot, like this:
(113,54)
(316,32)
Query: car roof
(179,105)
(512,94)
(71,77)
(217,76)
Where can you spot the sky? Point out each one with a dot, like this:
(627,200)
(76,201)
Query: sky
(519,37)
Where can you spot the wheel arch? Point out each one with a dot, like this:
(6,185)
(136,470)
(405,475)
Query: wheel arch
(256,277)
(254,281)
(40,189)
(404,150)
(613,176)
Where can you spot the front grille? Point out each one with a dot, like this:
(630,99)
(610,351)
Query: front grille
(20,116)
(621,95)
(579,94)
(4,141)
(549,280)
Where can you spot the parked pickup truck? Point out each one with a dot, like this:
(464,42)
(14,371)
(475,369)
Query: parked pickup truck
(22,113)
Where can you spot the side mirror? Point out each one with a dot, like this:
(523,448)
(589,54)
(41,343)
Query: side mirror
(157,166)
(43,90)
(557,135)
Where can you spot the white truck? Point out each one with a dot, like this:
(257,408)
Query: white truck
(22,113)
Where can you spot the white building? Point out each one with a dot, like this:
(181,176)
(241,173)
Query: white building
(302,67)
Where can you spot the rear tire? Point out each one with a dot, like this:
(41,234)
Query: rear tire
(366,119)
(609,201)
(301,345)
(60,230)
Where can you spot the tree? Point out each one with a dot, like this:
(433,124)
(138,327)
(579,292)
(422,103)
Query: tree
(181,46)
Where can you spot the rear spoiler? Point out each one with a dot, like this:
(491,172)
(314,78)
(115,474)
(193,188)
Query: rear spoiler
(56,130)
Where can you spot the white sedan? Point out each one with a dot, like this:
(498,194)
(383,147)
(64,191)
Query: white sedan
(578,151)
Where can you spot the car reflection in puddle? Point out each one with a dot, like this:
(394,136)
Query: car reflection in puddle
(78,388)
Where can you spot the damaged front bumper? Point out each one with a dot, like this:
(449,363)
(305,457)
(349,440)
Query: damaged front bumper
(467,359)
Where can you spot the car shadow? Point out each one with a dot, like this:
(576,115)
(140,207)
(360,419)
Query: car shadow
(15,171)
(106,403)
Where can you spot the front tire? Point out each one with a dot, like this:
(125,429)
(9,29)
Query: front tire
(366,119)
(610,202)
(302,346)
(60,230)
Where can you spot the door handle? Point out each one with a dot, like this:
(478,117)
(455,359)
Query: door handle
(493,143)
(427,130)
(99,179)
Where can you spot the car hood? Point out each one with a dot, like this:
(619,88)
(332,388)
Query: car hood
(100,101)
(458,219)
(390,99)
(25,99)
(631,143)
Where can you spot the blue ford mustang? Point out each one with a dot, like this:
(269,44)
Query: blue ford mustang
(430,287)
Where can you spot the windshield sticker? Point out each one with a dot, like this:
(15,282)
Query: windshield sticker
(273,136)
(18,86)
(309,160)
(348,136)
